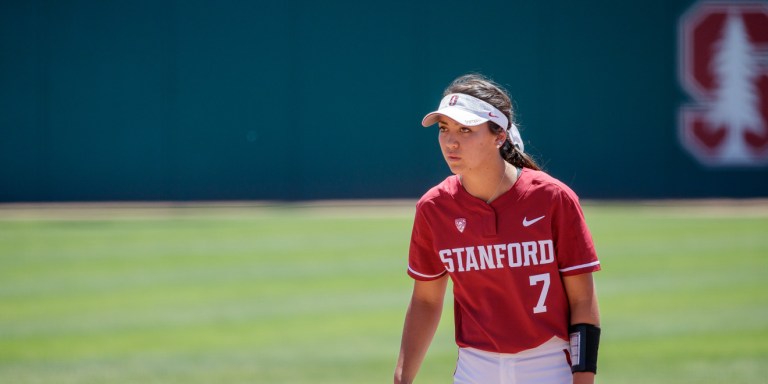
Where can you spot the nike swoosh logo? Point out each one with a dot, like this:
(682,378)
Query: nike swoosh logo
(491,114)
(528,223)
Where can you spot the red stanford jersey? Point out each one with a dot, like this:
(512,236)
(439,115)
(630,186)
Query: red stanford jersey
(505,258)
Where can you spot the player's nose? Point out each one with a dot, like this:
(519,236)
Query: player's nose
(450,142)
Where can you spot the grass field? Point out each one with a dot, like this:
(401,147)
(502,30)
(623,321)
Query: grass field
(317,293)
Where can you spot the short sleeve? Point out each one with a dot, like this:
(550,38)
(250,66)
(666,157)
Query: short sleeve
(423,262)
(574,247)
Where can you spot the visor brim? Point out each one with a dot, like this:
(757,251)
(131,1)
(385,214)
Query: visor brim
(460,115)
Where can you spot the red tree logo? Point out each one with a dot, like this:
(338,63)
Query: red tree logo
(723,66)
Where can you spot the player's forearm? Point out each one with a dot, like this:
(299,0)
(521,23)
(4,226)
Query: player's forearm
(584,309)
(582,298)
(585,312)
(421,322)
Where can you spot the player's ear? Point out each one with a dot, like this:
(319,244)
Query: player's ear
(500,137)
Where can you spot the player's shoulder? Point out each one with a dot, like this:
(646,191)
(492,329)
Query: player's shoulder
(445,190)
(540,182)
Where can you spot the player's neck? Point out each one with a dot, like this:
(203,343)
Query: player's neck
(490,183)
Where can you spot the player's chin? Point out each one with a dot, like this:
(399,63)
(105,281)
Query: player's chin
(455,168)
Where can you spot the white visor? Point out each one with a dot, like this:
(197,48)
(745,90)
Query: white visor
(470,111)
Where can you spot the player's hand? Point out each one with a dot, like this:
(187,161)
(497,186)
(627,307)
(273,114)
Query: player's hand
(583,378)
(400,380)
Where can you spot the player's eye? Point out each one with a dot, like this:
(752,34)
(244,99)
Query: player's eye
(465,130)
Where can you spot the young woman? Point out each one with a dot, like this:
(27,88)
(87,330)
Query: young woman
(515,244)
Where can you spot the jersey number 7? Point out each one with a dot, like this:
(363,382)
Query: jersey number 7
(543,278)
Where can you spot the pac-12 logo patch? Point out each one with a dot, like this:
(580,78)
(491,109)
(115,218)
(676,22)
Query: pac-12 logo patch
(723,67)
(461,223)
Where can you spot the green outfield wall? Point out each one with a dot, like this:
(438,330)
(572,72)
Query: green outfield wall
(294,100)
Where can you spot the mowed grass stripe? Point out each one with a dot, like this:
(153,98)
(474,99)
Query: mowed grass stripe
(317,295)
(683,294)
(213,286)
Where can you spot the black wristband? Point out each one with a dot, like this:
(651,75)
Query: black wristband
(585,340)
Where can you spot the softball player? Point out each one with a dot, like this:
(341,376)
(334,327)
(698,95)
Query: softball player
(515,244)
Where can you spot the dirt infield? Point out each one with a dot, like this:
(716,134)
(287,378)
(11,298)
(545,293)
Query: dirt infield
(400,207)
(703,207)
(164,209)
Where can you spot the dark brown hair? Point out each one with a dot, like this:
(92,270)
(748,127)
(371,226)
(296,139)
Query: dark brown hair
(479,86)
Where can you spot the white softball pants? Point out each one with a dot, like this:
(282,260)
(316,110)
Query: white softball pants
(546,364)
